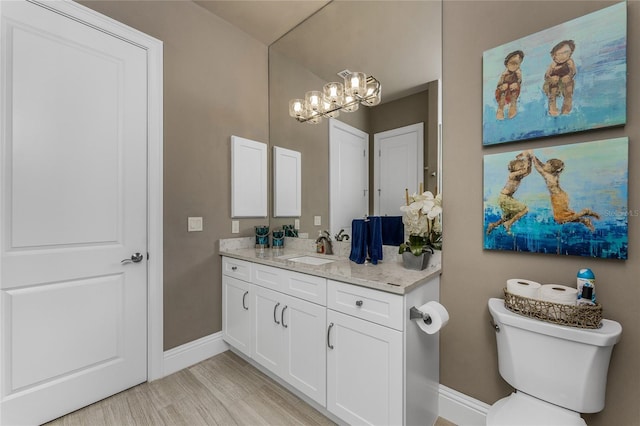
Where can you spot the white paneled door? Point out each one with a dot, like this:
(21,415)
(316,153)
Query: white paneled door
(348,175)
(398,165)
(74,214)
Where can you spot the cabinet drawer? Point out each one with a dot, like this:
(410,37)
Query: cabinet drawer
(268,276)
(304,286)
(236,268)
(371,305)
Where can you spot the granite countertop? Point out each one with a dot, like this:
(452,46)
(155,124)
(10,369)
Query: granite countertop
(388,275)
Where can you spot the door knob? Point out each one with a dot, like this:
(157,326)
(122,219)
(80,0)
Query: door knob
(135,258)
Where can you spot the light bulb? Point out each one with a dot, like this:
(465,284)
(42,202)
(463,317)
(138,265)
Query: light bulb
(334,93)
(313,101)
(355,84)
(296,108)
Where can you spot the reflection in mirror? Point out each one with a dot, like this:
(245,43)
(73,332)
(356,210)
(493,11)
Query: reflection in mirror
(398,44)
(287,178)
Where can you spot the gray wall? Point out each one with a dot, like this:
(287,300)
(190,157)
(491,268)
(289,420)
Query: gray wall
(215,86)
(471,275)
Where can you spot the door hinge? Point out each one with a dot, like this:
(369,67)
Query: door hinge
(147,255)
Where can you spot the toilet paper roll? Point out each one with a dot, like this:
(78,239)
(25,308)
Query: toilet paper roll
(524,288)
(437,317)
(557,293)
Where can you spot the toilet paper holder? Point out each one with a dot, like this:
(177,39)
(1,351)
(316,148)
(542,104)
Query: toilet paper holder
(415,313)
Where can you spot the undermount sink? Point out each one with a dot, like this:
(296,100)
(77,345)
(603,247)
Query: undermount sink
(311,260)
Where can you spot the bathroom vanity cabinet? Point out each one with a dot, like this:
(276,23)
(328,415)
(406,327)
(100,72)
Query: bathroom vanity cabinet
(349,350)
(281,332)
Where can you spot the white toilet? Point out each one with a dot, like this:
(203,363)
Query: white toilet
(558,372)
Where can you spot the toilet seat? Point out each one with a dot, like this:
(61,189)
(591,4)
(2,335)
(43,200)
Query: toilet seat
(520,409)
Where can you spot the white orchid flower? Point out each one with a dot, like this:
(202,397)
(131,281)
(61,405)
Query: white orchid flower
(434,212)
(421,216)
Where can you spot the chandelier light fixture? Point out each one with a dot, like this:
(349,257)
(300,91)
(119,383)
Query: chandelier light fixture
(358,88)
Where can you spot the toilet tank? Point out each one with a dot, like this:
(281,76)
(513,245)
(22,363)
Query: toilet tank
(566,366)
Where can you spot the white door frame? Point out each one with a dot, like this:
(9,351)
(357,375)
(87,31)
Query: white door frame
(154,49)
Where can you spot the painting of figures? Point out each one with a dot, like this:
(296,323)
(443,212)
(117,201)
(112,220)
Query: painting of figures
(569,78)
(566,200)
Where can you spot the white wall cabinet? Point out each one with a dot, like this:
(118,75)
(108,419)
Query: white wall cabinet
(248,178)
(287,182)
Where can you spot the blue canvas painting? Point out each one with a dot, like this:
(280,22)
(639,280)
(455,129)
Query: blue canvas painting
(566,200)
(569,78)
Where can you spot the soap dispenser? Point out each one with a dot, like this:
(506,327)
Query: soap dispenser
(319,243)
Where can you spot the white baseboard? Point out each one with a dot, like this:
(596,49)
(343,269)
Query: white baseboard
(193,352)
(461,409)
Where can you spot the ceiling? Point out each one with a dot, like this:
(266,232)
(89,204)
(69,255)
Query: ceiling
(265,20)
(398,42)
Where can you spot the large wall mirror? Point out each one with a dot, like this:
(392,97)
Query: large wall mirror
(400,44)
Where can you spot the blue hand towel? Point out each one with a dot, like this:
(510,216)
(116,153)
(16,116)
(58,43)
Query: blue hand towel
(392,230)
(374,239)
(358,241)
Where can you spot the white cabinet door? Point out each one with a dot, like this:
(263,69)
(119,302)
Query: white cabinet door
(305,354)
(268,337)
(236,313)
(288,339)
(364,371)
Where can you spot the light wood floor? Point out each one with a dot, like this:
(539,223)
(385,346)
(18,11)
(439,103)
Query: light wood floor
(222,390)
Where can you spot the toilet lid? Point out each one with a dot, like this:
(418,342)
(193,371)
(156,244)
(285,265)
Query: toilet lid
(520,409)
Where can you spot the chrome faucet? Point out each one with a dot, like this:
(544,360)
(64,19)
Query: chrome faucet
(324,243)
(340,236)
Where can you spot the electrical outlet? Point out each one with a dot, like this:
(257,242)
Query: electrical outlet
(317,220)
(235,226)
(296,224)
(194,224)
